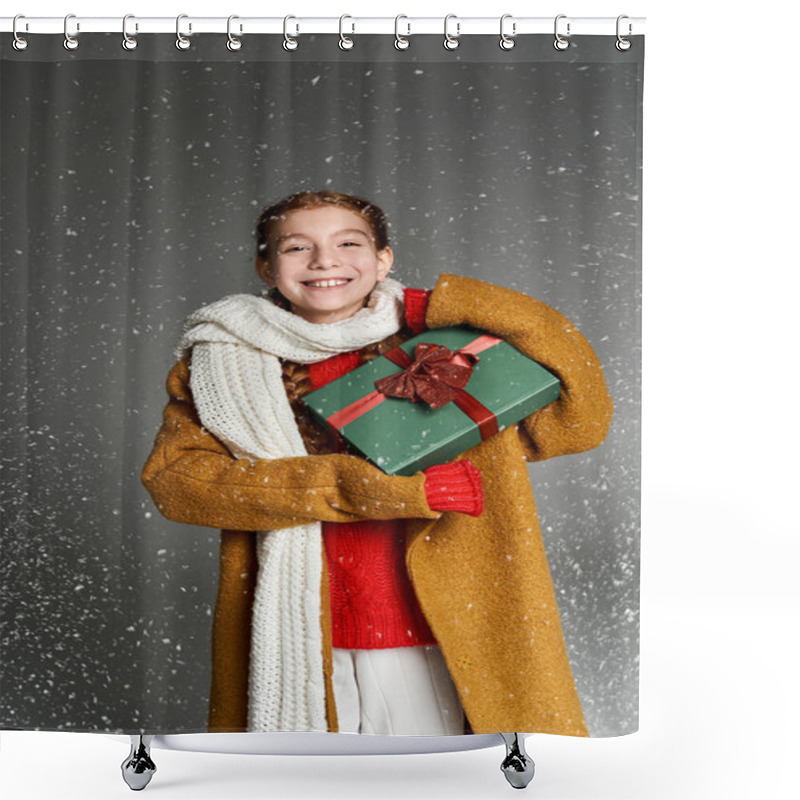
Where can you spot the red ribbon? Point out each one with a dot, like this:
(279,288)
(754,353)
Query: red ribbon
(436,376)
(431,377)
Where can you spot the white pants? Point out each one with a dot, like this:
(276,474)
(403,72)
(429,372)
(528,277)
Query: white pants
(400,691)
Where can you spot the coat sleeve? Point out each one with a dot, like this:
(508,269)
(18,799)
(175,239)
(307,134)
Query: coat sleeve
(193,478)
(579,420)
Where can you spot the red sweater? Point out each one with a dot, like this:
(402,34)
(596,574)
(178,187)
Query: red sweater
(373,604)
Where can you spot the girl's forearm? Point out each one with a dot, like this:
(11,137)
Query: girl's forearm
(579,420)
(203,488)
(193,478)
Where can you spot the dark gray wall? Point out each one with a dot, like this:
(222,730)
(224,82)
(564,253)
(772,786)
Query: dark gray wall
(131,183)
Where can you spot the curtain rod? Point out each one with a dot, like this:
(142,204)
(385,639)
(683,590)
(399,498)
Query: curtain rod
(297,25)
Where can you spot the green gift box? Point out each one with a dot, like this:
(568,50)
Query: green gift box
(485,385)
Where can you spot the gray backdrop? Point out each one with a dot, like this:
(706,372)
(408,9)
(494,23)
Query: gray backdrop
(131,184)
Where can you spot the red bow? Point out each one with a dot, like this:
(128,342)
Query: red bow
(431,377)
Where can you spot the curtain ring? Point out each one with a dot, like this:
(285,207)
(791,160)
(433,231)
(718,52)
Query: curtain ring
(233,43)
(345,42)
(182,43)
(623,44)
(560,42)
(507,42)
(400,42)
(451,42)
(288,42)
(128,42)
(70,42)
(19,42)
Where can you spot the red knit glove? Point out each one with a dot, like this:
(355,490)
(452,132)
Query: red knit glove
(454,487)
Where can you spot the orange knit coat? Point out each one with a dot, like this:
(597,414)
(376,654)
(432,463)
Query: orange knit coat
(483,582)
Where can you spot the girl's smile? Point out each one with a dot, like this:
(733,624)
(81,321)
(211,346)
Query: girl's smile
(323,260)
(328,284)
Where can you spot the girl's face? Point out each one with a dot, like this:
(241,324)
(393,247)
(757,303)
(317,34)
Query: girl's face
(324,262)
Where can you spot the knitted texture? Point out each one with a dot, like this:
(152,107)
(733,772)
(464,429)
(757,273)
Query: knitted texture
(471,574)
(237,386)
(323,372)
(373,604)
(454,487)
(416,302)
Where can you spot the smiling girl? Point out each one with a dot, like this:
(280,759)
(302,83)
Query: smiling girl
(324,262)
(350,600)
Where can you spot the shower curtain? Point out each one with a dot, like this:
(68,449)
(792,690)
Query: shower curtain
(133,182)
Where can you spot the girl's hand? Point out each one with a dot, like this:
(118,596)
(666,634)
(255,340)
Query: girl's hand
(455,487)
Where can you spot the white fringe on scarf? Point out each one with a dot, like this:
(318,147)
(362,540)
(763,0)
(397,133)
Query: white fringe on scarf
(237,386)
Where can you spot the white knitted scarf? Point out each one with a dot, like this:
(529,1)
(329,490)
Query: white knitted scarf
(237,386)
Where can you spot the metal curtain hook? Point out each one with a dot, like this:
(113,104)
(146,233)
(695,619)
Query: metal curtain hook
(451,42)
(19,42)
(345,42)
(182,43)
(400,42)
(70,42)
(506,41)
(622,43)
(561,43)
(233,43)
(128,42)
(288,42)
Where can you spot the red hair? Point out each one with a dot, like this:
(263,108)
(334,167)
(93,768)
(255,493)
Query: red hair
(371,213)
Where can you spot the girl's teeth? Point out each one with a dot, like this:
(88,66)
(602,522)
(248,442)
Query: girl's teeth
(324,284)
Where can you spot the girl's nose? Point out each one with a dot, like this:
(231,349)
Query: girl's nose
(325,258)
